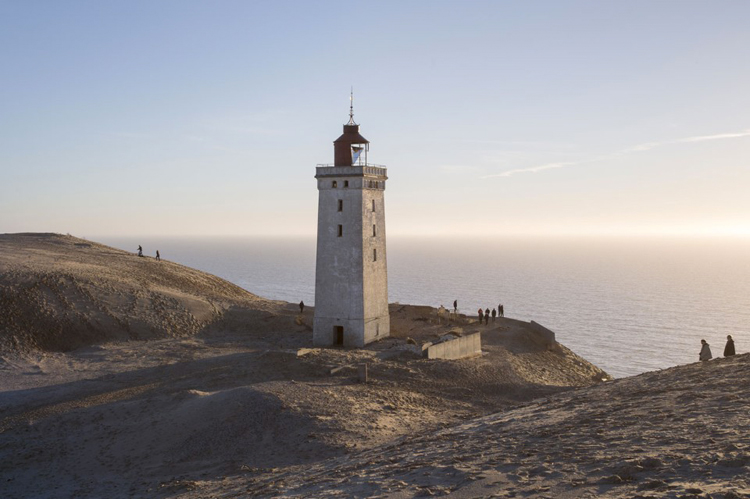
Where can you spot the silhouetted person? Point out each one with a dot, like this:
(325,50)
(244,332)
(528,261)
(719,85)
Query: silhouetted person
(158,257)
(455,306)
(494,313)
(500,310)
(301,307)
(487,316)
(481,315)
(729,349)
(705,351)
(140,250)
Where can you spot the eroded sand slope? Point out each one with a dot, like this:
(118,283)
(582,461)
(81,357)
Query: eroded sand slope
(680,433)
(125,377)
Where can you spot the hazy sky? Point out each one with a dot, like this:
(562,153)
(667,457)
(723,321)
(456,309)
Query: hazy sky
(185,117)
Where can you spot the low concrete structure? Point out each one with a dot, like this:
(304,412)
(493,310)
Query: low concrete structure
(458,348)
(542,336)
(547,335)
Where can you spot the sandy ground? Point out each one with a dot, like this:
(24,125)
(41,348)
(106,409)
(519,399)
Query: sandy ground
(204,390)
(683,432)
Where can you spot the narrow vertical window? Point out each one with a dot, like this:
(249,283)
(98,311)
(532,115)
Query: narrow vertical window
(374,233)
(341,205)
(374,255)
(341,230)
(373,205)
(334,184)
(346,183)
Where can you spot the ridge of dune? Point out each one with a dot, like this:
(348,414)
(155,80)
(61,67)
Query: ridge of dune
(58,293)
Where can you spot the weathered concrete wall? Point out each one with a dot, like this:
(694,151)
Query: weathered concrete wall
(543,336)
(351,277)
(375,265)
(464,346)
(547,336)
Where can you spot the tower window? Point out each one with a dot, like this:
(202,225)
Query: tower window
(374,233)
(374,255)
(341,230)
(341,205)
(346,183)
(373,205)
(334,184)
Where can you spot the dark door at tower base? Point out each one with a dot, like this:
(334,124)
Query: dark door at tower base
(338,335)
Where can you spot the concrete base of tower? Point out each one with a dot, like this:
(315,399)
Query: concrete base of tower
(355,333)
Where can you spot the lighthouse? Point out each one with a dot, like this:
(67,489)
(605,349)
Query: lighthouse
(351,272)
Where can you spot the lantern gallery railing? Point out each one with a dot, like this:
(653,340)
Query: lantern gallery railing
(351,171)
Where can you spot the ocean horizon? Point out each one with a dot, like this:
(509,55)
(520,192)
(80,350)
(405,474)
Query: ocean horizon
(628,305)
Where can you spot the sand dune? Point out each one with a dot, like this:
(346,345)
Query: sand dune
(682,432)
(59,293)
(237,403)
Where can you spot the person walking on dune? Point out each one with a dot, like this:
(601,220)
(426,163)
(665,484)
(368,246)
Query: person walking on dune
(301,307)
(455,306)
(481,315)
(494,313)
(705,351)
(500,310)
(729,349)
(158,256)
(140,250)
(486,316)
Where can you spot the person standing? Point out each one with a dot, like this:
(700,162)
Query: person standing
(158,257)
(486,316)
(494,313)
(455,306)
(729,349)
(140,250)
(301,307)
(500,310)
(705,351)
(480,314)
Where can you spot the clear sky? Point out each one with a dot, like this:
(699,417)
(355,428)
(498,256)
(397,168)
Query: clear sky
(493,117)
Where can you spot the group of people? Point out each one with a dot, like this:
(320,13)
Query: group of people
(495,312)
(706,349)
(140,253)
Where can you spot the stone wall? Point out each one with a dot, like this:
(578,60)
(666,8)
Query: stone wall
(463,346)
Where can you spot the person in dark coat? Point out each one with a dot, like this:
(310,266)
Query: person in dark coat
(487,316)
(455,306)
(705,352)
(480,314)
(140,250)
(158,256)
(729,349)
(494,313)
(500,310)
(301,307)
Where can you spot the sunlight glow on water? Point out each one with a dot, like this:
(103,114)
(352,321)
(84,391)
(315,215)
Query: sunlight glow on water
(628,306)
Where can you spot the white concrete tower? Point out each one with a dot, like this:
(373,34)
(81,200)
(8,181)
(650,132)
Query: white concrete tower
(351,275)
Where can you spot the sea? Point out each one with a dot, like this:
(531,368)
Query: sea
(628,305)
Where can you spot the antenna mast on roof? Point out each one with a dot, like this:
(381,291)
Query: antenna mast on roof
(351,108)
